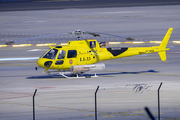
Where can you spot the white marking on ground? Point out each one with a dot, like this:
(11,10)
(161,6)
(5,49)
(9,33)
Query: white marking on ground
(34,50)
(13,59)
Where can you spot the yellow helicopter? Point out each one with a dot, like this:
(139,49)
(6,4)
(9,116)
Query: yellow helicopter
(82,56)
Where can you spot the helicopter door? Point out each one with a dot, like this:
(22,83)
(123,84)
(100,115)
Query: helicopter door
(71,57)
(85,58)
(60,58)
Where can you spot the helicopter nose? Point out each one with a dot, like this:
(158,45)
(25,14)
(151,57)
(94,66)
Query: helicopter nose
(40,63)
(44,64)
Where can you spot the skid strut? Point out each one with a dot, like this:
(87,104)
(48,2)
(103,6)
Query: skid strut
(72,75)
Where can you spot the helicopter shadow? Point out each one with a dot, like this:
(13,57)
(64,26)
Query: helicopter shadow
(137,72)
(99,74)
(40,77)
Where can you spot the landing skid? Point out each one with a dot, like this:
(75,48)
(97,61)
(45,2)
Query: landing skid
(72,76)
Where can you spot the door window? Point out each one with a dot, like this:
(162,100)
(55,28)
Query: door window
(62,54)
(72,54)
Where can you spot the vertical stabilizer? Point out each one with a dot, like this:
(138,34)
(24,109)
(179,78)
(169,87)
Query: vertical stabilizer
(166,38)
(164,43)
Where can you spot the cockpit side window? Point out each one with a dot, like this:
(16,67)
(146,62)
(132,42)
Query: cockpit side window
(51,54)
(62,54)
(72,54)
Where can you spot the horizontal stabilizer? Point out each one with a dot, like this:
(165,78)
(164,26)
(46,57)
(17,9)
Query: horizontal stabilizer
(162,55)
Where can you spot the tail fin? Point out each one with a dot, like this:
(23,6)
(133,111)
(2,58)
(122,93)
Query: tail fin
(166,38)
(164,43)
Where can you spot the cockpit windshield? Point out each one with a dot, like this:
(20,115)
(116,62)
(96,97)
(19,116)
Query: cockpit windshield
(51,54)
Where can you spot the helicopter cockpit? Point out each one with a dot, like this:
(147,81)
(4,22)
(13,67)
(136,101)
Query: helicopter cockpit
(59,56)
(53,53)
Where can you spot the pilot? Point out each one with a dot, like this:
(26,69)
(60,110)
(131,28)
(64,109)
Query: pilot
(61,54)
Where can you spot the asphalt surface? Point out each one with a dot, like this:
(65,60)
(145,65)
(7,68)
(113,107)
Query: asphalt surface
(22,5)
(127,85)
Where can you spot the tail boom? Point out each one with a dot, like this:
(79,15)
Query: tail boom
(113,53)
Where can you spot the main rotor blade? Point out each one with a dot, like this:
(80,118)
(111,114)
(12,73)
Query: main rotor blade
(127,38)
(12,42)
(94,34)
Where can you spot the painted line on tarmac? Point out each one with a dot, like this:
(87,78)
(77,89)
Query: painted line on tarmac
(103,114)
(15,59)
(110,43)
(52,107)
(35,50)
(82,110)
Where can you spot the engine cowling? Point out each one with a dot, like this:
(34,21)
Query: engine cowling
(86,68)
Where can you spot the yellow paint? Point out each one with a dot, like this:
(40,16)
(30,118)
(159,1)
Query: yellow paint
(42,106)
(3,45)
(129,115)
(89,52)
(92,111)
(109,116)
(138,112)
(51,107)
(89,114)
(157,113)
(23,104)
(104,112)
(13,103)
(82,110)
(127,42)
(155,41)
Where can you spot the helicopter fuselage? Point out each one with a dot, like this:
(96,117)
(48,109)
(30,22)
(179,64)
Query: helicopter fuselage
(89,52)
(81,52)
